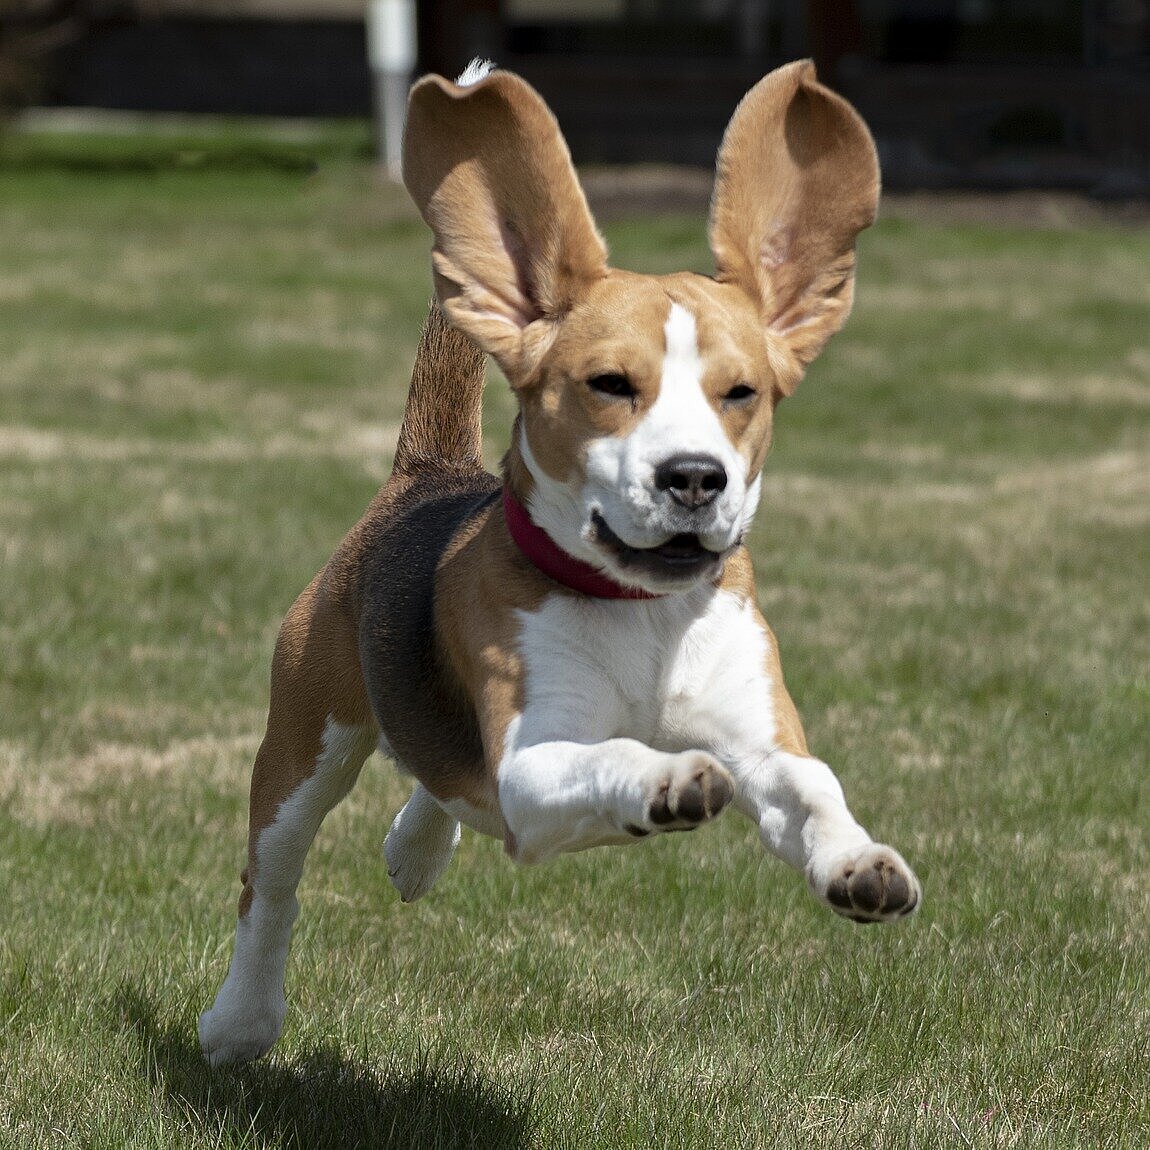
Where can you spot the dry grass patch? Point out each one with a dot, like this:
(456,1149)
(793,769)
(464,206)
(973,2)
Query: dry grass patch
(1124,388)
(71,790)
(368,445)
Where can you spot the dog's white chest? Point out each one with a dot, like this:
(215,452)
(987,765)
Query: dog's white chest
(674,673)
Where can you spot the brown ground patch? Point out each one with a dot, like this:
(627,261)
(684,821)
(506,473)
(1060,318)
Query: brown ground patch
(61,790)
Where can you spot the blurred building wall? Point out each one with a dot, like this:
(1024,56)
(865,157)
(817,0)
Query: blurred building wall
(958,92)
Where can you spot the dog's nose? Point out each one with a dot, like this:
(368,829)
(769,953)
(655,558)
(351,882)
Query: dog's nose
(691,480)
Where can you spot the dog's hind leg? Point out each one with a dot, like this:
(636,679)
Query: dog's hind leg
(319,734)
(419,845)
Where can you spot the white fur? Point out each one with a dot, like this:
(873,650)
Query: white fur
(248,1013)
(482,819)
(564,796)
(751,503)
(477,70)
(419,845)
(559,509)
(617,693)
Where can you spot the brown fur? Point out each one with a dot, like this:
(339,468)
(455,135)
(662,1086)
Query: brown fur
(315,674)
(442,425)
(513,233)
(789,240)
(739,578)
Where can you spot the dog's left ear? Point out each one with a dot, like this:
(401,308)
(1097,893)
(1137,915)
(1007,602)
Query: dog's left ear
(796,180)
(515,243)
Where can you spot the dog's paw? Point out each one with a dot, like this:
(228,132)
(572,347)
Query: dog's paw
(419,846)
(693,791)
(873,884)
(232,1037)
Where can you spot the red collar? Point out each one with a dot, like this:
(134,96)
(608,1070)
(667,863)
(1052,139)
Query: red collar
(556,563)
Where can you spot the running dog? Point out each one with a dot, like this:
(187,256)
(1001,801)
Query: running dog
(571,655)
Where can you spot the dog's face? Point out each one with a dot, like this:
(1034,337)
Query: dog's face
(646,402)
(644,426)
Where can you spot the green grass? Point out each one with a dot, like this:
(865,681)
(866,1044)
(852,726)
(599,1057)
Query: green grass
(203,368)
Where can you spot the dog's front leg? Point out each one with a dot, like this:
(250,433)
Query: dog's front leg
(803,818)
(564,796)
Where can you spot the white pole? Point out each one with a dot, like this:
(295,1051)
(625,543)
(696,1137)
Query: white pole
(391,50)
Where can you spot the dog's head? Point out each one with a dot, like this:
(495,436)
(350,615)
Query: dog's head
(646,402)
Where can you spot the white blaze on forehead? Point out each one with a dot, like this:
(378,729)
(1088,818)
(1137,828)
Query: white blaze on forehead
(683,366)
(682,419)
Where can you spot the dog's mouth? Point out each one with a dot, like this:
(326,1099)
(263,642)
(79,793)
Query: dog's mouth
(679,559)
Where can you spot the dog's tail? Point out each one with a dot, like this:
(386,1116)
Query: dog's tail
(441,423)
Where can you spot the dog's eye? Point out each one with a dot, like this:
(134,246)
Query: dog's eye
(613,384)
(739,393)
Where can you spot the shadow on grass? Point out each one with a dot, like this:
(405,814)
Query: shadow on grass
(325,1099)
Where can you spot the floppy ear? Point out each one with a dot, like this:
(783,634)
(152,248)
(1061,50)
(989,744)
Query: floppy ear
(796,180)
(514,240)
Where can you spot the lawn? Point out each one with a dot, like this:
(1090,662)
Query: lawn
(204,348)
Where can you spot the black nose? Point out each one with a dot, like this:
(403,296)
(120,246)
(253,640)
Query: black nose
(691,480)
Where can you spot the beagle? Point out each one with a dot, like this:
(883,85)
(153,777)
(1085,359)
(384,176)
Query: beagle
(571,655)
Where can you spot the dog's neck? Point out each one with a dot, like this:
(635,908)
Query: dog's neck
(545,554)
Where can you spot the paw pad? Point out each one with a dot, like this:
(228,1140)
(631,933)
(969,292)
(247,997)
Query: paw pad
(877,886)
(691,796)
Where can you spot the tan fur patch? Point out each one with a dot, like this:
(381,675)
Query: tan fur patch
(739,578)
(789,239)
(316,676)
(482,582)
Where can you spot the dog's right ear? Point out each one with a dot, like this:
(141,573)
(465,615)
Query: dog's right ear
(515,243)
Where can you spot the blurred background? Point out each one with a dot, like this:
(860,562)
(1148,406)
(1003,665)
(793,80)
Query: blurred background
(988,94)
